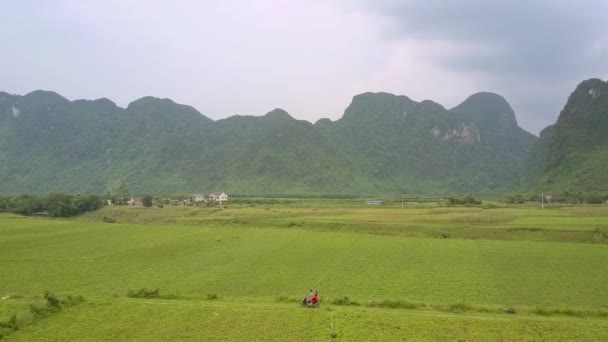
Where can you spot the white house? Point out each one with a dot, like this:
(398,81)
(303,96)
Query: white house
(135,201)
(197,198)
(218,197)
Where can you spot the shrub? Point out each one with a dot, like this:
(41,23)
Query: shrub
(542,312)
(510,310)
(468,200)
(344,301)
(600,235)
(146,201)
(444,235)
(287,299)
(143,293)
(396,304)
(212,296)
(107,219)
(71,301)
(11,324)
(37,310)
(459,307)
(51,301)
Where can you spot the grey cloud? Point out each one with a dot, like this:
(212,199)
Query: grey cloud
(516,43)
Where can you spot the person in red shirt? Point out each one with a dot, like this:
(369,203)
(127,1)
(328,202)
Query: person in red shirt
(315,299)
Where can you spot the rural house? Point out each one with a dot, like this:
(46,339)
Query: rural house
(135,201)
(197,198)
(218,197)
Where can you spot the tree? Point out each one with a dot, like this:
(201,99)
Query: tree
(147,201)
(25,205)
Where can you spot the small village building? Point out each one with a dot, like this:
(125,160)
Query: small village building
(197,198)
(135,201)
(218,197)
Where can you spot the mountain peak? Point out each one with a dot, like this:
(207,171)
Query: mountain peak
(278,114)
(488,110)
(370,106)
(584,106)
(43,98)
(151,104)
(151,100)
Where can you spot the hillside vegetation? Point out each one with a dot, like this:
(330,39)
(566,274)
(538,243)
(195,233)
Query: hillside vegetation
(572,154)
(383,144)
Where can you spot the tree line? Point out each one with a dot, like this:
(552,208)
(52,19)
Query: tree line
(53,205)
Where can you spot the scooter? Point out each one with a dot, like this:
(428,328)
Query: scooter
(306,304)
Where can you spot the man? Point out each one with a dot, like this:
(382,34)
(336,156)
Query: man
(309,297)
(315,299)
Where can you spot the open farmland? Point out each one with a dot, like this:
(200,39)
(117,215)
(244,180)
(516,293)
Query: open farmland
(237,273)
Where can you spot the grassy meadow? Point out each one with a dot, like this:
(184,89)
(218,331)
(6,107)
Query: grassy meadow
(237,273)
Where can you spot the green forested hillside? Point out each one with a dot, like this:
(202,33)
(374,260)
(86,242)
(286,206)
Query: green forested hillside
(572,155)
(383,144)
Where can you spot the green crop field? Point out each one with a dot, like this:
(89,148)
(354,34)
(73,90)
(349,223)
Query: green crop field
(237,273)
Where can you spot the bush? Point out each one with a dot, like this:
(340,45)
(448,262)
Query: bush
(147,201)
(396,304)
(11,324)
(54,205)
(510,310)
(143,293)
(468,200)
(345,301)
(51,301)
(72,301)
(287,299)
(600,235)
(107,219)
(542,312)
(37,311)
(459,307)
(212,296)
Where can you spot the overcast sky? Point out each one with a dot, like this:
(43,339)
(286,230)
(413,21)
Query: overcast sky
(308,57)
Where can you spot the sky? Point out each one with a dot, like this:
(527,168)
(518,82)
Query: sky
(308,57)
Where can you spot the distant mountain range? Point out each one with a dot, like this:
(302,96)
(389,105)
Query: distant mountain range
(383,144)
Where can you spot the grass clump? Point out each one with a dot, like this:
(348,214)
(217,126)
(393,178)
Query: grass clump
(144,293)
(10,325)
(52,305)
(287,299)
(345,301)
(459,308)
(108,219)
(600,235)
(396,304)
(212,296)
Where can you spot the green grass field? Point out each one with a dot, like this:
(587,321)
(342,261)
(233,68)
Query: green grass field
(418,273)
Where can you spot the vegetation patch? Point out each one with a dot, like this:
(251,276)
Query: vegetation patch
(459,307)
(287,299)
(485,218)
(396,304)
(600,235)
(144,293)
(51,306)
(345,301)
(53,205)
